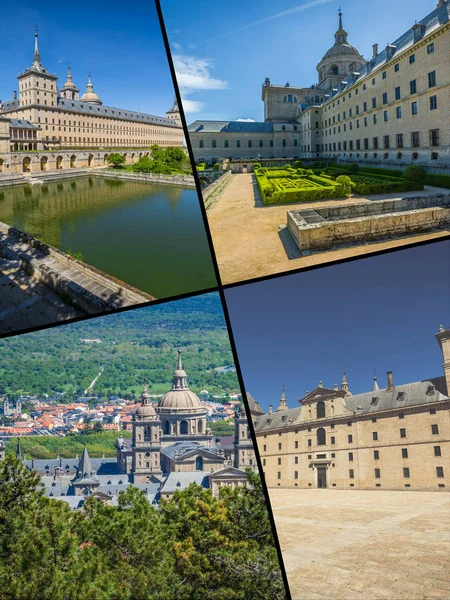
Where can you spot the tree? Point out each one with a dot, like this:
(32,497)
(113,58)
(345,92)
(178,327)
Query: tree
(415,173)
(115,159)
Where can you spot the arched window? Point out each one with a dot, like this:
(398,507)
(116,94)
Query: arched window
(200,426)
(290,98)
(335,70)
(321,437)
(199,463)
(183,427)
(320,410)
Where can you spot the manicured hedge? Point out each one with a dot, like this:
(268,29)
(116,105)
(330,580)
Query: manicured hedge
(323,189)
(437,180)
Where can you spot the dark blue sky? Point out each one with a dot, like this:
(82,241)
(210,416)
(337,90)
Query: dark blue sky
(225,50)
(119,42)
(375,313)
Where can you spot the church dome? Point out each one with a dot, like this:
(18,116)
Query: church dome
(180,398)
(146,409)
(342,50)
(90,95)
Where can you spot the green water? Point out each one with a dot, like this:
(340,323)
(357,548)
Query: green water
(150,236)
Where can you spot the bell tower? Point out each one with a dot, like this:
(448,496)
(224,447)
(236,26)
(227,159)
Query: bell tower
(443,338)
(146,441)
(244,455)
(37,87)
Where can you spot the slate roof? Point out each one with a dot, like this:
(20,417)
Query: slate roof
(277,419)
(402,396)
(21,124)
(435,19)
(99,465)
(181,480)
(230,127)
(183,449)
(252,405)
(65,104)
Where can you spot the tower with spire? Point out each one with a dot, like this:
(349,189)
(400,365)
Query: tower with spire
(85,481)
(244,455)
(37,87)
(174,112)
(146,441)
(69,89)
(344,384)
(283,404)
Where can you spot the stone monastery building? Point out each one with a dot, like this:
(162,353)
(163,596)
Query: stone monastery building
(390,110)
(44,116)
(171,447)
(393,438)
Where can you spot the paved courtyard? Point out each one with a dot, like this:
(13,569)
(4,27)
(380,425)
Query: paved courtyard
(248,242)
(368,545)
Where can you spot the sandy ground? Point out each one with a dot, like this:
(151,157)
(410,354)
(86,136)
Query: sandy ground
(364,545)
(248,242)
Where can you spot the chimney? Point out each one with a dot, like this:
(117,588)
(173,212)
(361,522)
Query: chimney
(57,474)
(390,384)
(15,95)
(375,50)
(270,409)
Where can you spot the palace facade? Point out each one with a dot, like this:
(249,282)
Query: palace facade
(170,448)
(393,438)
(42,116)
(390,110)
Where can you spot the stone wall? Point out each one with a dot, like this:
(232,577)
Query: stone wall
(368,221)
(186,181)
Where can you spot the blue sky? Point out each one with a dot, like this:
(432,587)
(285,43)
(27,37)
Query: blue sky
(377,313)
(119,42)
(224,51)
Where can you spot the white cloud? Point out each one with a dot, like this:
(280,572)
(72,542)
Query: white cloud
(191,46)
(176,45)
(246,120)
(192,106)
(193,74)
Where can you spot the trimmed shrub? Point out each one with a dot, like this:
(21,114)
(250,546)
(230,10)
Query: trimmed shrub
(216,167)
(375,171)
(256,165)
(437,180)
(287,166)
(346,183)
(298,164)
(415,173)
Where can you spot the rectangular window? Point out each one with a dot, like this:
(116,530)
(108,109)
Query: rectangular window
(430,48)
(437,451)
(238,143)
(376,454)
(309,442)
(271,143)
(413,86)
(375,436)
(404,452)
(225,144)
(432,79)
(365,106)
(439,471)
(398,112)
(279,461)
(377,473)
(284,143)
(386,141)
(350,439)
(412,59)
(434,429)
(264,462)
(384,75)
(265,447)
(415,139)
(399,138)
(374,119)
(433,102)
(296,460)
(405,472)
(295,142)
(434,137)
(201,143)
(386,115)
(214,144)
(351,473)
(296,443)
(261,143)
(350,456)
(279,446)
(333,440)
(366,143)
(375,143)
(414,110)
(295,474)
(402,433)
(397,93)
(279,475)
(397,68)
(374,102)
(385,99)
(250,143)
